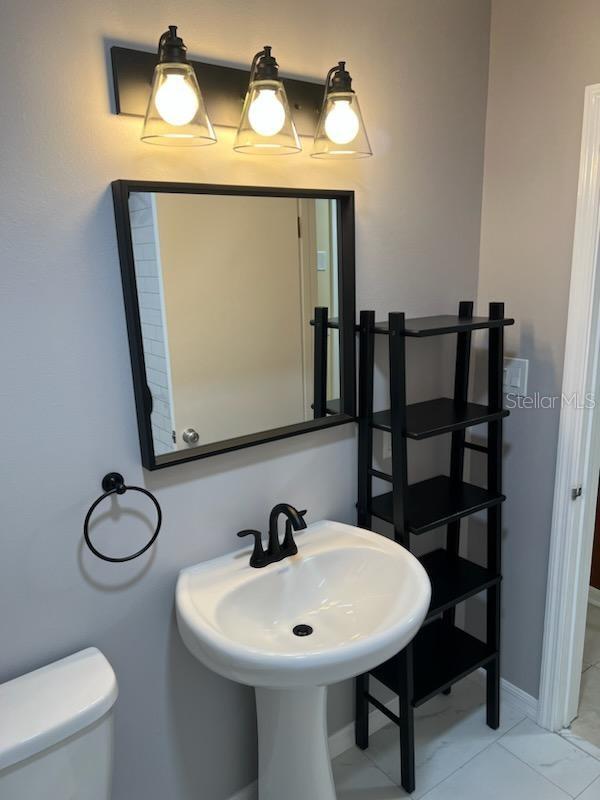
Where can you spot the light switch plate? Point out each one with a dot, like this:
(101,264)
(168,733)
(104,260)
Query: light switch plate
(514,381)
(322,260)
(387,446)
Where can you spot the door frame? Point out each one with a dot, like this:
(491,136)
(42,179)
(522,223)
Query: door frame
(308,295)
(578,454)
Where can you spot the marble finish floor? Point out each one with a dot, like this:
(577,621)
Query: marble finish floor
(460,758)
(585,730)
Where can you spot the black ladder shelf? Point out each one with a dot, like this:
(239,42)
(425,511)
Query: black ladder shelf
(441,654)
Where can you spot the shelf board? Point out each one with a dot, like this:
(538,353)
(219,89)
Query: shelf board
(332,322)
(333,406)
(442,415)
(436,502)
(442,656)
(436,326)
(454,579)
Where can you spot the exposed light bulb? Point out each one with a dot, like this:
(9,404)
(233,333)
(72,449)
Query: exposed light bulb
(176,100)
(341,125)
(266,113)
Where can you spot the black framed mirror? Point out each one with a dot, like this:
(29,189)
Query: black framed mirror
(240,308)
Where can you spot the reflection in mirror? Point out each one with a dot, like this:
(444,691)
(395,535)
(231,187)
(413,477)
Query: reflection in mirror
(227,288)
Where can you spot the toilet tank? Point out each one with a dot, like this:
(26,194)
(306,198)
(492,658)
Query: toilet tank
(56,731)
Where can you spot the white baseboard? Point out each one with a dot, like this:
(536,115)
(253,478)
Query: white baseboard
(594,596)
(517,697)
(249,792)
(509,693)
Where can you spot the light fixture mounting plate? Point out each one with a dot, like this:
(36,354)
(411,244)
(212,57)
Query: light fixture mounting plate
(223,89)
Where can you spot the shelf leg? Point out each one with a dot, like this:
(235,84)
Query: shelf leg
(457,452)
(320,363)
(365,414)
(397,356)
(493,694)
(407,721)
(361,724)
(494,515)
(407,750)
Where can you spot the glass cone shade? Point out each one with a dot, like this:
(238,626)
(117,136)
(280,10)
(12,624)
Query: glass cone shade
(341,131)
(176,112)
(266,127)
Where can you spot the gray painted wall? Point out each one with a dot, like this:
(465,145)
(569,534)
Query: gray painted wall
(66,396)
(543,54)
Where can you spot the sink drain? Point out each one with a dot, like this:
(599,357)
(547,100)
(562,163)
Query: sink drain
(302,630)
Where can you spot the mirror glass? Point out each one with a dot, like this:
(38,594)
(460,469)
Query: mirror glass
(227,287)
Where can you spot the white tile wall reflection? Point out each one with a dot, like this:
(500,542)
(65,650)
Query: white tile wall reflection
(154,331)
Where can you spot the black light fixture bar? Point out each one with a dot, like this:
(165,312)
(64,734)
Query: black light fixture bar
(223,88)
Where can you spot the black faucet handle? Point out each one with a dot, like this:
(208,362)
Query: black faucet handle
(289,546)
(258,557)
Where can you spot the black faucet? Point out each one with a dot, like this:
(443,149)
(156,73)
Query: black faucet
(276,550)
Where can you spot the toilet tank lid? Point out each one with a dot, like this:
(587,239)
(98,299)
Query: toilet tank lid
(46,706)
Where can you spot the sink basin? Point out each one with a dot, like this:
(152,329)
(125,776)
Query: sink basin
(364,596)
(349,600)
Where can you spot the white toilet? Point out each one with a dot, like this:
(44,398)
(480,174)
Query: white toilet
(56,731)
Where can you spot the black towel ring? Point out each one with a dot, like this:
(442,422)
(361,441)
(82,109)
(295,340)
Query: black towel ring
(113,483)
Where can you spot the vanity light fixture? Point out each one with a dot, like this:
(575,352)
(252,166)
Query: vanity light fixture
(176,114)
(266,126)
(341,131)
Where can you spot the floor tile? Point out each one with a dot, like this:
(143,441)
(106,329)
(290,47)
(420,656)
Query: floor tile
(449,731)
(582,744)
(587,724)
(591,651)
(552,756)
(357,778)
(592,793)
(496,774)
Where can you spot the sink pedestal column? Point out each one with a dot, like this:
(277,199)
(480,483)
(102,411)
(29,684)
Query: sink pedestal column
(293,750)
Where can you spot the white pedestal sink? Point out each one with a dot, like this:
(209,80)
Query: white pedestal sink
(357,596)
